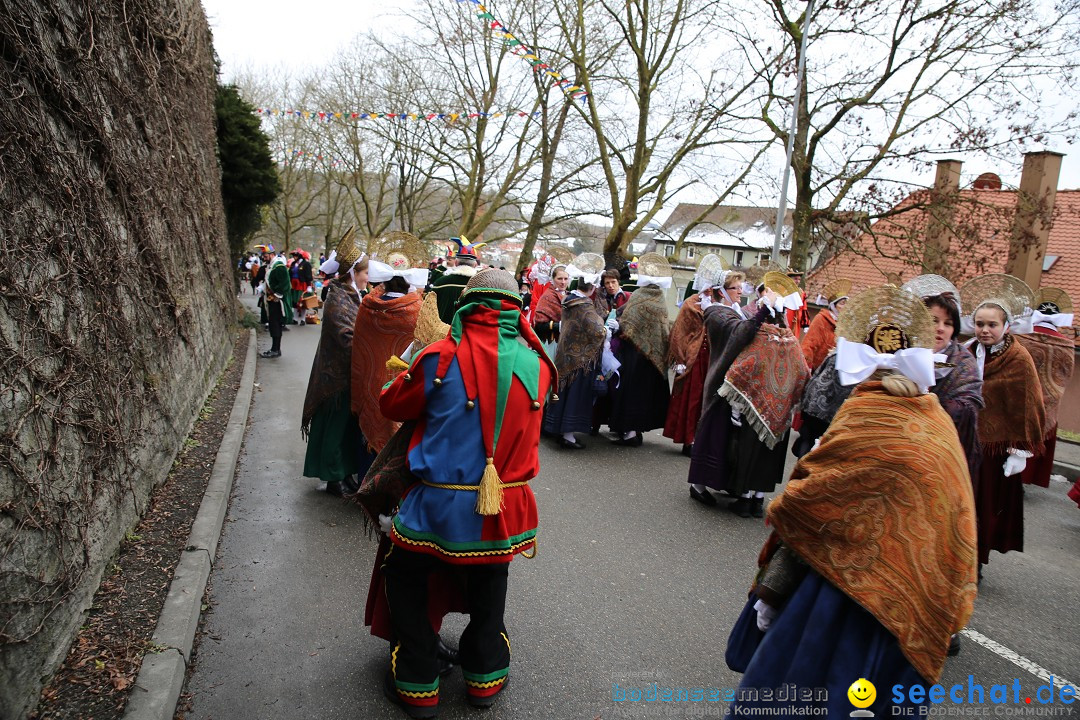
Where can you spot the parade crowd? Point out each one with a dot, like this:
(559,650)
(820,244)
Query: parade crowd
(434,382)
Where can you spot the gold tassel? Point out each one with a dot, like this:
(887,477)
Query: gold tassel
(489,498)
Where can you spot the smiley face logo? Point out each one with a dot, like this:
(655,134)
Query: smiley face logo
(862,693)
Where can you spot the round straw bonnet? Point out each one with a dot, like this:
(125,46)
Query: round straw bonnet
(1009,293)
(884,317)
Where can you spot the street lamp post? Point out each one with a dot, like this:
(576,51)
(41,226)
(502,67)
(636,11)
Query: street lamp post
(781,208)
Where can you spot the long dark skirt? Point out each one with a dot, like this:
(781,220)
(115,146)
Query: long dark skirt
(709,461)
(684,410)
(641,401)
(754,466)
(573,411)
(332,441)
(821,639)
(999,508)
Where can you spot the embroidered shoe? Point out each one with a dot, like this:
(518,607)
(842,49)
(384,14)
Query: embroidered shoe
(484,698)
(413,711)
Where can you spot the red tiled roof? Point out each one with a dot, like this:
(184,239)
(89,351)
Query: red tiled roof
(894,245)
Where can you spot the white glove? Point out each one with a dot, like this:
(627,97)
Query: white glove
(765,615)
(680,369)
(705,301)
(608,338)
(612,325)
(385,523)
(1016,462)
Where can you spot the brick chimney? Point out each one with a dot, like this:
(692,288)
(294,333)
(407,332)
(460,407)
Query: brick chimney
(1034,216)
(940,217)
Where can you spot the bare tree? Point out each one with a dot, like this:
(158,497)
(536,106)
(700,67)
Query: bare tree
(889,83)
(649,105)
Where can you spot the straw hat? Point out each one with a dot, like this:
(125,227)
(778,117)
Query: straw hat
(562,255)
(654,265)
(780,283)
(1009,293)
(1053,301)
(399,250)
(927,286)
(710,271)
(894,279)
(347,251)
(429,328)
(886,318)
(589,262)
(837,290)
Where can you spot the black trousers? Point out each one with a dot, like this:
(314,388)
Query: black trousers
(275,318)
(484,649)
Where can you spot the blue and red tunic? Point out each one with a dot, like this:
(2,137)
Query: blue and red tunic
(447,452)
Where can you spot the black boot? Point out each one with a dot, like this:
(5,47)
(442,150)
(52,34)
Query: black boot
(741,507)
(954,645)
(350,485)
(757,507)
(687,449)
(448,656)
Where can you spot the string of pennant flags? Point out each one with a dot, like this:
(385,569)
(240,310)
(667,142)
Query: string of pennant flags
(330,116)
(517,47)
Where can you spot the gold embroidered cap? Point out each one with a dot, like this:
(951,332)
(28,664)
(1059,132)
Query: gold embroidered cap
(347,251)
(837,290)
(1007,292)
(779,282)
(886,317)
(1053,301)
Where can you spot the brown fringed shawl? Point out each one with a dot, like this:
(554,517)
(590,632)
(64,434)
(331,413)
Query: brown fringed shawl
(687,334)
(581,339)
(766,382)
(383,328)
(332,365)
(883,510)
(549,306)
(644,323)
(1054,356)
(1013,416)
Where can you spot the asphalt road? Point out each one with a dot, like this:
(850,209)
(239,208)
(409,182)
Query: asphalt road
(633,583)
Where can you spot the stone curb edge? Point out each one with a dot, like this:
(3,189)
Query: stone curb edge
(161,679)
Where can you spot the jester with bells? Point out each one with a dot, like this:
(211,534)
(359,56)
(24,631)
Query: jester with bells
(477,399)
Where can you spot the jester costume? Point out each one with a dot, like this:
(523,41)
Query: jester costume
(476,398)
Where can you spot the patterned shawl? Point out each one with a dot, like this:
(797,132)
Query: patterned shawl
(383,328)
(687,334)
(766,382)
(824,394)
(883,510)
(960,395)
(644,323)
(332,365)
(581,339)
(1054,357)
(548,307)
(1014,416)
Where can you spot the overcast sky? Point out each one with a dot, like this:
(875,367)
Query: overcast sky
(251,34)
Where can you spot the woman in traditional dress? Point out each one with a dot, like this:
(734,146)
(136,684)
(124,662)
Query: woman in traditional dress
(1054,356)
(1012,425)
(384,327)
(763,385)
(871,565)
(548,311)
(821,337)
(729,328)
(578,357)
(688,353)
(639,402)
(328,424)
(959,386)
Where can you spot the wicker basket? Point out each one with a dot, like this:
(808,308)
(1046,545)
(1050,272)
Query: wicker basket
(310,302)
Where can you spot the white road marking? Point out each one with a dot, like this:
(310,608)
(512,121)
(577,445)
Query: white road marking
(1016,658)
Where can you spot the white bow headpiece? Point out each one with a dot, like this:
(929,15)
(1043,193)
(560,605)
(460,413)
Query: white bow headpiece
(856,361)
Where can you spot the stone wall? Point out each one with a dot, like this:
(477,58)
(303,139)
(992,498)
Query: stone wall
(115,299)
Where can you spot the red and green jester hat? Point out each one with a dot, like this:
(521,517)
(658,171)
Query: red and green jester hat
(477,397)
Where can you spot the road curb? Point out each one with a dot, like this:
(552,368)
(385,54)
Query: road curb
(161,678)
(1071,472)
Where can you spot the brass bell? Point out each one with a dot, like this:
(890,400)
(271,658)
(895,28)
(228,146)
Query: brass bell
(437,382)
(554,397)
(408,377)
(470,405)
(536,404)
